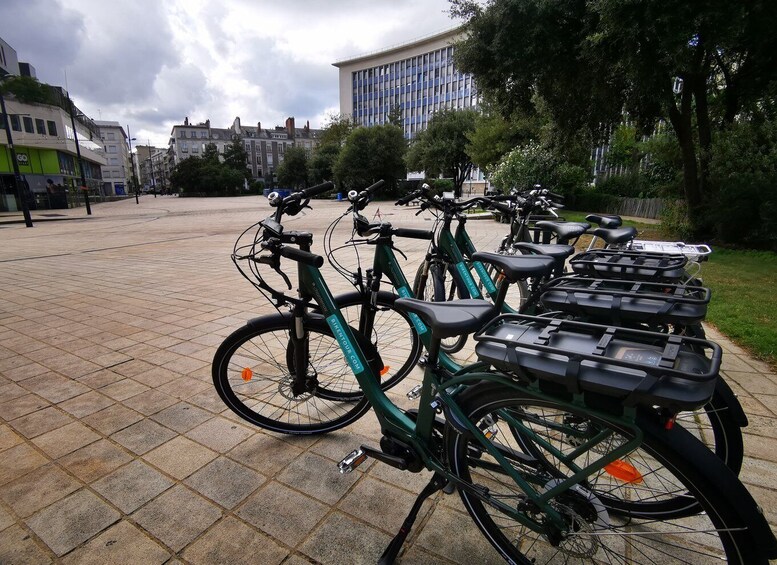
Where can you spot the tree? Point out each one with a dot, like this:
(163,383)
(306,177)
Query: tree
(492,138)
(293,171)
(236,157)
(441,149)
(371,154)
(589,60)
(322,163)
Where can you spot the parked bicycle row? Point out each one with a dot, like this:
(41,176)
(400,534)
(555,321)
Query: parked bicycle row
(593,426)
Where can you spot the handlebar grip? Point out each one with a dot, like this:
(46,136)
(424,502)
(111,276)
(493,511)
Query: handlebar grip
(302,256)
(407,198)
(413,233)
(375,186)
(318,189)
(556,197)
(501,197)
(504,208)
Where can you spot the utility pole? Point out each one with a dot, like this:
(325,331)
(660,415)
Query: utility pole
(17,175)
(132,163)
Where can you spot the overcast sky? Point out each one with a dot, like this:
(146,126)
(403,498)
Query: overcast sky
(150,63)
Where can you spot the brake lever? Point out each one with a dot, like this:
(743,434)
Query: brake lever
(398,250)
(275,265)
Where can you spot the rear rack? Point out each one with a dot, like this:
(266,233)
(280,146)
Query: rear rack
(694,252)
(637,367)
(638,301)
(629,265)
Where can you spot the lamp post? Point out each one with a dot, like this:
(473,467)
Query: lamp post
(132,163)
(84,188)
(17,179)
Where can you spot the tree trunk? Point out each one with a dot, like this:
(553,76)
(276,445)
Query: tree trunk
(681,122)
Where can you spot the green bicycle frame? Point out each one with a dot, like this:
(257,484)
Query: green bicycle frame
(418,433)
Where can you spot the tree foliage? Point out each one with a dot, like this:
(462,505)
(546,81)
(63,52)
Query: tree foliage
(371,154)
(208,175)
(28,89)
(441,149)
(293,170)
(587,61)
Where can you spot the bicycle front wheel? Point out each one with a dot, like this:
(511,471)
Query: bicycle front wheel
(668,500)
(253,373)
(439,285)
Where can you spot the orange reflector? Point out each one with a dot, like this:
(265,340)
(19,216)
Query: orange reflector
(624,471)
(247,374)
(384,370)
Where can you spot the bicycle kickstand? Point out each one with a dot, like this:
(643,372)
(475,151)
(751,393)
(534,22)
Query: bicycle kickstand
(391,552)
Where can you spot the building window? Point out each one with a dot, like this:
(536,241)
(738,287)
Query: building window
(28,124)
(40,126)
(195,148)
(114,160)
(184,147)
(52,128)
(112,149)
(182,134)
(203,134)
(111,136)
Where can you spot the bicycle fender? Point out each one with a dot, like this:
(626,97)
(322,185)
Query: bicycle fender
(731,400)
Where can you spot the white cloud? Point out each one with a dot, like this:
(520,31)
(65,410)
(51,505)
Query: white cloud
(149,64)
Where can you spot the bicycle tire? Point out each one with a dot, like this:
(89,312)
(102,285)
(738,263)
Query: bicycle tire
(393,335)
(259,349)
(438,287)
(721,520)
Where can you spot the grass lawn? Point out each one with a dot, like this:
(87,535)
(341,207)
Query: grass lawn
(744,292)
(744,299)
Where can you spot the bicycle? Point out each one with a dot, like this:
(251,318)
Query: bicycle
(581,476)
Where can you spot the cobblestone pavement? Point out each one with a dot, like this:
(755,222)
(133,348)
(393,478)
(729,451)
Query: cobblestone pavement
(114,446)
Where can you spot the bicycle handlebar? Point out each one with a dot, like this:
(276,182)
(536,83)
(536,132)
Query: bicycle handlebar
(301,256)
(412,233)
(313,190)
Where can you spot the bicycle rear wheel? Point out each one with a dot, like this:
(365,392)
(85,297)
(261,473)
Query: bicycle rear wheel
(253,374)
(668,500)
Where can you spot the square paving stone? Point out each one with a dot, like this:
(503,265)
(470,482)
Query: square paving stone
(185,387)
(36,490)
(11,391)
(95,460)
(66,439)
(123,389)
(26,371)
(71,521)
(86,404)
(283,513)
(318,477)
(18,547)
(231,541)
(54,388)
(467,546)
(154,376)
(150,402)
(6,520)
(209,400)
(265,453)
(177,517)
(131,486)
(379,504)
(219,434)
(18,461)
(132,367)
(180,457)
(99,379)
(121,543)
(344,541)
(22,406)
(112,419)
(8,437)
(225,482)
(182,417)
(143,436)
(40,422)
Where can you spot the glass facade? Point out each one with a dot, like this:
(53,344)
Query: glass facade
(410,90)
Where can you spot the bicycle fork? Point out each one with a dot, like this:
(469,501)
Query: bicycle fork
(301,382)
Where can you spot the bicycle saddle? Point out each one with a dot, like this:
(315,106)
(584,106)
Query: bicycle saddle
(617,235)
(564,230)
(554,250)
(609,222)
(517,267)
(449,319)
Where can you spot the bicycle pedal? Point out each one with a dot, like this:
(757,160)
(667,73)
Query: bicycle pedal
(423,361)
(351,461)
(414,393)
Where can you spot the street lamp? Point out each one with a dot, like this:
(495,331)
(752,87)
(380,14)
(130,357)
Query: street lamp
(18,185)
(84,188)
(132,162)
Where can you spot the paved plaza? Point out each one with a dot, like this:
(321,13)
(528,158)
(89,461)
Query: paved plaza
(115,448)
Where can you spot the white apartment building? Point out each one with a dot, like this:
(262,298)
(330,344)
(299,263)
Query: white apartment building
(413,80)
(117,171)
